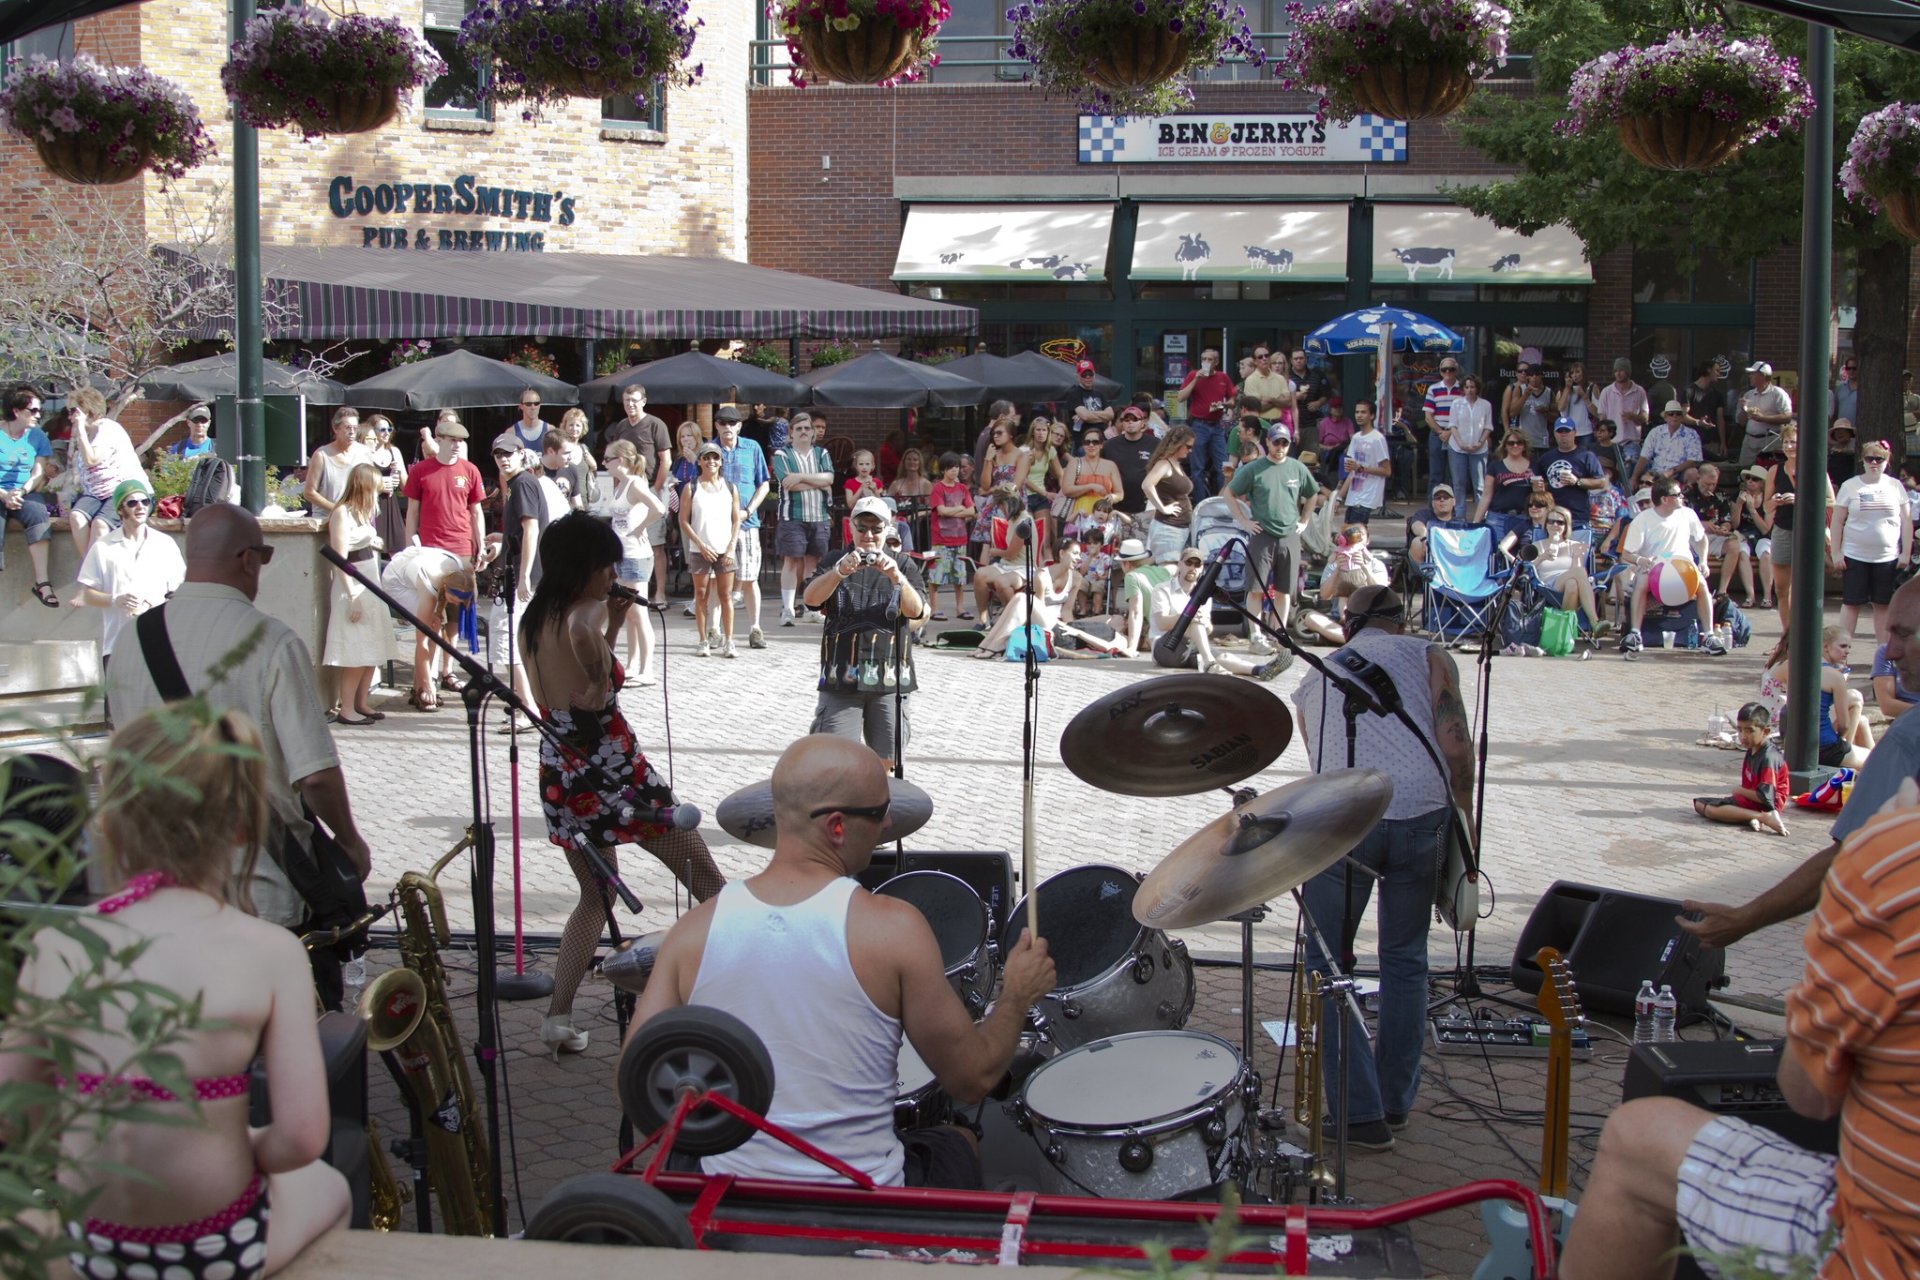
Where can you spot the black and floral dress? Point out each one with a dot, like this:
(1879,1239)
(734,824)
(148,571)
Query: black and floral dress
(598,781)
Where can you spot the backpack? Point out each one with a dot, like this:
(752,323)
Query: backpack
(1030,635)
(210,481)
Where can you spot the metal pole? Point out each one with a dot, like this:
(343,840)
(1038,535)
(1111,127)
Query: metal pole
(1810,483)
(247,338)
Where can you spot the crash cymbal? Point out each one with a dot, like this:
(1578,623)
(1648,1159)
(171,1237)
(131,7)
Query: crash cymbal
(1263,848)
(1176,736)
(747,814)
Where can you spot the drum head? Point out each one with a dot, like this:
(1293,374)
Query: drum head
(958,917)
(912,1075)
(1135,1079)
(1086,916)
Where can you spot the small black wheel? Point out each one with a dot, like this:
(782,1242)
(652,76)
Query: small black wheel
(702,1049)
(610,1208)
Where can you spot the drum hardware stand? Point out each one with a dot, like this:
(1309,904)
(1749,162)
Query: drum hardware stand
(518,985)
(1247,919)
(624,1001)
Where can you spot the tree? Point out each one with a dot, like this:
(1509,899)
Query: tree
(1744,209)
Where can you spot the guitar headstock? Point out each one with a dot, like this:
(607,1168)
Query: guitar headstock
(1559,999)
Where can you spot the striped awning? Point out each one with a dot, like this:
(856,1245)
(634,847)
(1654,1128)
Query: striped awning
(337,293)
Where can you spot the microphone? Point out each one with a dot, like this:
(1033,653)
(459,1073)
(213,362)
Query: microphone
(681,817)
(1202,591)
(1525,552)
(1022,528)
(619,591)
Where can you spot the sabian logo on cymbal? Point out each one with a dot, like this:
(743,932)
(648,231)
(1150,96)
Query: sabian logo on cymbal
(1220,751)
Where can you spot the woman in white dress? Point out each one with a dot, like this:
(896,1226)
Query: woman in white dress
(359,635)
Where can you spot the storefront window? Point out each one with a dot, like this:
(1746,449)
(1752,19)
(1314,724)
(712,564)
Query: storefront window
(1241,290)
(1686,348)
(1657,278)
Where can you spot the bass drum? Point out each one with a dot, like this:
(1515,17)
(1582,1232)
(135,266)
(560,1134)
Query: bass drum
(1115,977)
(962,926)
(1149,1116)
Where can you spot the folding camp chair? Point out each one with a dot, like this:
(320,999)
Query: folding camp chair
(1463,580)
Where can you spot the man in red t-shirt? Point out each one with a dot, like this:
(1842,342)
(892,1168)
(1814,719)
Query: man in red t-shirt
(1209,396)
(443,497)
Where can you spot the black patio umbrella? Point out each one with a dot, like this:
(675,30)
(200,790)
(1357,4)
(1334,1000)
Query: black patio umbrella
(694,377)
(457,380)
(877,380)
(1035,360)
(217,376)
(1021,381)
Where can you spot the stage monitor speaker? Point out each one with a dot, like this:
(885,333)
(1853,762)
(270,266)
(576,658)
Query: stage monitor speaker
(1612,939)
(988,873)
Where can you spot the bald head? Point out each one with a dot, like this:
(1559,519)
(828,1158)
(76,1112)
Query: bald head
(821,772)
(217,537)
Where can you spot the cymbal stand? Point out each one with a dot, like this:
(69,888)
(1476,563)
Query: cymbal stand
(1247,919)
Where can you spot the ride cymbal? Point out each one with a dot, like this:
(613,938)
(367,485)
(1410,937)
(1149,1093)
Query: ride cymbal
(1176,736)
(1263,848)
(747,814)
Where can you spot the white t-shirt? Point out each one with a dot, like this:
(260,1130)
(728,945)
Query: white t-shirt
(1873,518)
(1663,537)
(153,570)
(1169,597)
(1368,449)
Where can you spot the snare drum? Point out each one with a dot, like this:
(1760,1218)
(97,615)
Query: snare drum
(1147,1116)
(1114,976)
(918,1101)
(961,924)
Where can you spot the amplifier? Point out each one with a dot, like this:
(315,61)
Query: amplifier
(1730,1078)
(988,873)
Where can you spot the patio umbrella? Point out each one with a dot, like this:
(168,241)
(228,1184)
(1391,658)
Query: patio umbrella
(457,380)
(877,380)
(1033,359)
(217,376)
(1022,381)
(694,377)
(1357,333)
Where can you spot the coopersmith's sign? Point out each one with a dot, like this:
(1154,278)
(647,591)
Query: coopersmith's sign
(1254,138)
(464,197)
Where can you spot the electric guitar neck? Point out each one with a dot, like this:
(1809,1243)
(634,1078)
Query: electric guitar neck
(1560,1003)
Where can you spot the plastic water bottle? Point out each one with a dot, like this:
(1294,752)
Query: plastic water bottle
(353,976)
(1666,1009)
(1643,1002)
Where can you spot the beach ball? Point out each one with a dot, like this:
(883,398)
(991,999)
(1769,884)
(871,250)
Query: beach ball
(1676,580)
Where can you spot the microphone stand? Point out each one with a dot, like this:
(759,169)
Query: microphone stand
(1029,700)
(518,985)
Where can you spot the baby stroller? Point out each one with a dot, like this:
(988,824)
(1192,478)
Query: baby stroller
(1212,527)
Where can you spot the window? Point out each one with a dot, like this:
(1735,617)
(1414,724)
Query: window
(462,91)
(1658,278)
(973,45)
(649,113)
(55,42)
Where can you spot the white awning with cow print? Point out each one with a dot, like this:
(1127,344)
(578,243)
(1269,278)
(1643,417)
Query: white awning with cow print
(1287,243)
(1020,242)
(1443,243)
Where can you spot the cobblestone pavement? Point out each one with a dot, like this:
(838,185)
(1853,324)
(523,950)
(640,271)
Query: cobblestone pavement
(1590,768)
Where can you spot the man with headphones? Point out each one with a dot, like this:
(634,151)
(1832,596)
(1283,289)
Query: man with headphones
(1403,852)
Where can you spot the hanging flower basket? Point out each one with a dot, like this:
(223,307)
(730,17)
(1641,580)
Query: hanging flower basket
(323,75)
(1129,57)
(882,42)
(545,52)
(1400,59)
(1882,168)
(1691,102)
(99,125)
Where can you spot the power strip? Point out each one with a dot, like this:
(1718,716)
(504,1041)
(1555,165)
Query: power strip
(1501,1037)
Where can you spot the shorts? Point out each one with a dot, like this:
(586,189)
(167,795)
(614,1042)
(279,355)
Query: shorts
(636,569)
(1834,754)
(796,539)
(657,531)
(1716,543)
(948,568)
(1743,1187)
(1868,583)
(1166,541)
(1361,516)
(746,555)
(942,1157)
(1271,564)
(503,648)
(702,565)
(1763,549)
(1783,550)
(34,517)
(97,509)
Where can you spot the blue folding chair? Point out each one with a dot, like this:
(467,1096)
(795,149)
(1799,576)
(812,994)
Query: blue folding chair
(1464,576)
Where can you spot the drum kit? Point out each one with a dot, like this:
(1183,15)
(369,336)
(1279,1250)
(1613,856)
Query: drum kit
(1119,1098)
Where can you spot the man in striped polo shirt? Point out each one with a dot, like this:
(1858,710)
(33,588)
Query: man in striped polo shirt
(803,471)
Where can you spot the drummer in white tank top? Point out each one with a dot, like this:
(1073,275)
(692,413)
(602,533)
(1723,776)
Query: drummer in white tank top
(830,976)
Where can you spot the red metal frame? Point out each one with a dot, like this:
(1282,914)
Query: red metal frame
(1015,1212)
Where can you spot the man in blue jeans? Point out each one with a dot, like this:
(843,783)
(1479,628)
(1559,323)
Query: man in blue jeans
(1210,396)
(1404,851)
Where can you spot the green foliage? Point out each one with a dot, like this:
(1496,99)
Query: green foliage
(169,473)
(1746,208)
(766,356)
(1751,1263)
(833,353)
(1223,1241)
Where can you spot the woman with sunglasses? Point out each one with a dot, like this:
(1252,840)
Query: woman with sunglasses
(1006,464)
(710,518)
(129,570)
(1780,502)
(389,516)
(1169,493)
(1507,491)
(359,633)
(1753,526)
(595,782)
(1086,479)
(1561,567)
(1872,539)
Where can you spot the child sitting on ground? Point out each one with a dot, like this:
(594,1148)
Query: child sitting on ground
(1763,790)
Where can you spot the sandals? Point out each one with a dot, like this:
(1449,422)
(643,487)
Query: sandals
(43,592)
(938,617)
(419,703)
(349,720)
(965,616)
(448,683)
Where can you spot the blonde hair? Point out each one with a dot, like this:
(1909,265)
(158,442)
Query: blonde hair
(863,453)
(680,437)
(362,490)
(185,785)
(622,451)
(572,418)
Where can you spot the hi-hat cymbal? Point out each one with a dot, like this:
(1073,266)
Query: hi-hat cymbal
(1263,848)
(747,814)
(1176,736)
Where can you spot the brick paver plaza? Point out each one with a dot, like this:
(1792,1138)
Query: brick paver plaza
(1590,770)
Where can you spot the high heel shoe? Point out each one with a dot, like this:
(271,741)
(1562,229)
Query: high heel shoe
(560,1036)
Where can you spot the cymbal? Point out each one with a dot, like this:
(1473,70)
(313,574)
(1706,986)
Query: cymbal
(1263,848)
(1176,735)
(747,814)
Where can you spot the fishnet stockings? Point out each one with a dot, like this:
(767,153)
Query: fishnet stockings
(682,852)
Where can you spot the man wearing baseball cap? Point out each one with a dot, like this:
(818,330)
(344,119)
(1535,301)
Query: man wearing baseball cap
(1090,408)
(1572,471)
(199,440)
(130,569)
(1764,409)
(1271,493)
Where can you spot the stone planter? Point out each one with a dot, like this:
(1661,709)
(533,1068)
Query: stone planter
(85,162)
(1903,211)
(875,51)
(1424,92)
(354,110)
(1682,140)
(1153,56)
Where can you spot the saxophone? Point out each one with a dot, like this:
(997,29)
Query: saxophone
(387,1195)
(407,1012)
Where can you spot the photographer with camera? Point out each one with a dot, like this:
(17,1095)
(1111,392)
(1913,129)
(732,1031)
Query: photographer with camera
(869,600)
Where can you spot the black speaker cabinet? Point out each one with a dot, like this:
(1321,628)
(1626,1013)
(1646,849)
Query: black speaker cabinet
(988,873)
(1612,940)
(1729,1078)
(343,1047)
